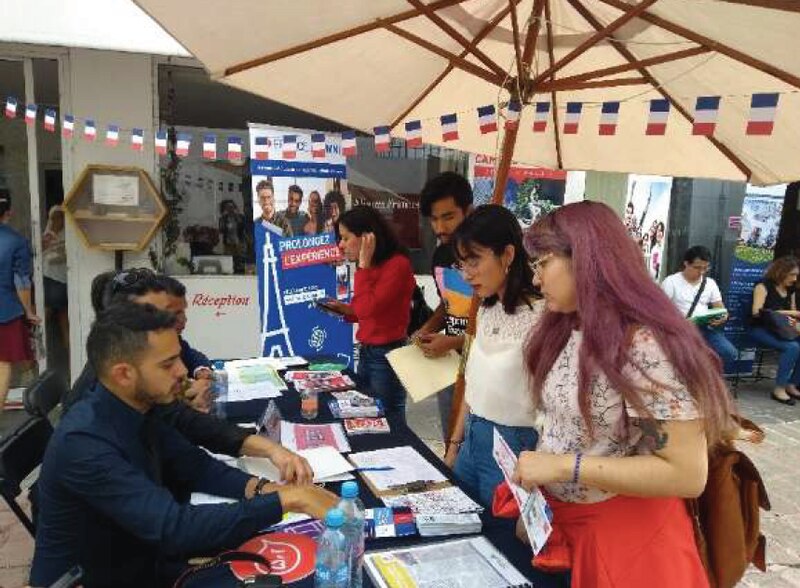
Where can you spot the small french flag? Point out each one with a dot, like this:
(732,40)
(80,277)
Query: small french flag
(182,144)
(657,120)
(349,143)
(540,116)
(705,115)
(50,120)
(112,135)
(609,115)
(234,148)
(137,139)
(449,127)
(261,148)
(11,108)
(762,114)
(30,114)
(289,146)
(487,119)
(210,146)
(382,139)
(68,126)
(318,145)
(89,130)
(414,134)
(512,114)
(573,118)
(161,142)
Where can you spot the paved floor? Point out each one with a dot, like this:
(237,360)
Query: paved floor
(777,459)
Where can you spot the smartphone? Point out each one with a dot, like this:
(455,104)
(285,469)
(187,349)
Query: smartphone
(70,579)
(325,305)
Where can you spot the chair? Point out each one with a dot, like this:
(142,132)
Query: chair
(41,397)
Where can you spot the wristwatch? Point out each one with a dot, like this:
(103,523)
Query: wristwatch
(260,486)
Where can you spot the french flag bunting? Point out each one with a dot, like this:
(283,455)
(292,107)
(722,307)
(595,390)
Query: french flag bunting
(210,146)
(161,142)
(184,141)
(657,119)
(349,143)
(89,130)
(382,139)
(414,134)
(609,115)
(30,114)
(449,127)
(573,118)
(487,119)
(137,139)
(540,116)
(289,146)
(68,126)
(706,111)
(318,145)
(50,120)
(112,135)
(235,148)
(261,148)
(513,112)
(762,114)
(11,107)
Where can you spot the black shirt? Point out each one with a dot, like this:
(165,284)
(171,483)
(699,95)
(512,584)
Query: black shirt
(454,291)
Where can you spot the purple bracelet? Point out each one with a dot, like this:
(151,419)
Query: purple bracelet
(576,470)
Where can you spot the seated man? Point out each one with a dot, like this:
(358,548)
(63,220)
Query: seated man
(690,284)
(211,432)
(112,465)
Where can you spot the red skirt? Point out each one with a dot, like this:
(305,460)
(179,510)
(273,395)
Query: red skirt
(15,342)
(622,542)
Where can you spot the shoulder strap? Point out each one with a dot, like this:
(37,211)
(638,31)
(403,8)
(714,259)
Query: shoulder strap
(697,297)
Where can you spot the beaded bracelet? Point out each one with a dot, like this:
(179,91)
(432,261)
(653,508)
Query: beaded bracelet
(576,470)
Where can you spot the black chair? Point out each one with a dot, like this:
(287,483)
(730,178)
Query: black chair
(41,397)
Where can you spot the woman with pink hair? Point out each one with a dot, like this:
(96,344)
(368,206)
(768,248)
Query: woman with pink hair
(631,398)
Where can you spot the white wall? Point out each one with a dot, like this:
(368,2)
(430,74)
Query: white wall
(113,88)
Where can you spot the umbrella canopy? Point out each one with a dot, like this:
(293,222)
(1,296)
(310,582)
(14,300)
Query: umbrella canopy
(387,62)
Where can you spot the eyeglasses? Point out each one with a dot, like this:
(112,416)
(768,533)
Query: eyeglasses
(468,265)
(538,264)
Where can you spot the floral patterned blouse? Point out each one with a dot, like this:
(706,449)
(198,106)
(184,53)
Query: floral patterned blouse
(563,428)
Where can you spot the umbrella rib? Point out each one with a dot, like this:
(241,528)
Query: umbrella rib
(516,39)
(726,50)
(786,5)
(554,106)
(562,86)
(532,33)
(335,37)
(724,149)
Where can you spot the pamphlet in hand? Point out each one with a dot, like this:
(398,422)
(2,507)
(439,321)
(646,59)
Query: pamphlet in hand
(711,315)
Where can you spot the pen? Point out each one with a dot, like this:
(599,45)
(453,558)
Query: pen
(375,469)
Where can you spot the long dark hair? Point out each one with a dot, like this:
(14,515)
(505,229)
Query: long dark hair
(365,219)
(494,227)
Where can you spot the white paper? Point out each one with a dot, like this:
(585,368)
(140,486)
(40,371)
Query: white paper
(115,190)
(198,498)
(299,436)
(507,462)
(422,376)
(408,466)
(326,462)
(449,500)
(252,379)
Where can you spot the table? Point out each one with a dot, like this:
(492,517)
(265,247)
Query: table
(499,531)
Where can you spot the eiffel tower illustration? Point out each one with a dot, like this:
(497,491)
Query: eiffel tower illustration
(275,340)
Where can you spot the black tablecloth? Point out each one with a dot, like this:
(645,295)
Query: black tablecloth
(500,532)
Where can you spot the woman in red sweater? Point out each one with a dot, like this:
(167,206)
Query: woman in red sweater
(381,304)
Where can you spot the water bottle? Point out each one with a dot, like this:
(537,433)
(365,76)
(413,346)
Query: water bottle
(353,510)
(331,568)
(220,388)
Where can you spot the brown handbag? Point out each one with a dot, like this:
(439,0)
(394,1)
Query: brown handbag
(727,515)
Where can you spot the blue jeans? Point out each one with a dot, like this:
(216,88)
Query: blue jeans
(722,347)
(475,466)
(379,380)
(788,364)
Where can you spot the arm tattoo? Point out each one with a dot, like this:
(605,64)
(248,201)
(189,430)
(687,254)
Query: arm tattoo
(654,437)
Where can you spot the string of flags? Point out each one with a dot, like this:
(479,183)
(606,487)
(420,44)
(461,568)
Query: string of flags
(761,121)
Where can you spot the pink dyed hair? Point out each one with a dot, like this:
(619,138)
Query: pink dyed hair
(615,295)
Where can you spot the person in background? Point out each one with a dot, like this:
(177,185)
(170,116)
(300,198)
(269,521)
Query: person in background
(270,219)
(776,292)
(446,200)
(489,249)
(54,269)
(629,408)
(334,207)
(296,218)
(315,221)
(657,251)
(16,303)
(381,303)
(112,469)
(231,227)
(683,288)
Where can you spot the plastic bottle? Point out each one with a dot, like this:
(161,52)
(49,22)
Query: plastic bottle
(353,510)
(332,570)
(220,388)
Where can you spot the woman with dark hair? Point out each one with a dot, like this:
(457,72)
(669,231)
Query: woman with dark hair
(488,246)
(315,214)
(381,304)
(631,398)
(333,206)
(776,293)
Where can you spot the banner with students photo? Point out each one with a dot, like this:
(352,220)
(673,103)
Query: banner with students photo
(298,177)
(647,218)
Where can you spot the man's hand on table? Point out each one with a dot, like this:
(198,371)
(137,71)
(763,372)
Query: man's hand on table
(309,499)
(198,395)
(293,468)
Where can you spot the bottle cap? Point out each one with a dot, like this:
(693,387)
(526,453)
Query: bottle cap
(219,365)
(334,519)
(350,490)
